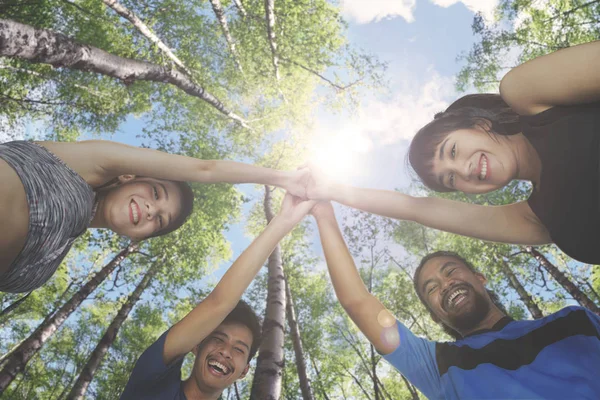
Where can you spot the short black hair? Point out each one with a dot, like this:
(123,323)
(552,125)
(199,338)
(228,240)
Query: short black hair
(443,253)
(244,314)
(187,206)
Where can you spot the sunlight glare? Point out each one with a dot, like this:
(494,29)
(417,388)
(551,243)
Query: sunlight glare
(338,154)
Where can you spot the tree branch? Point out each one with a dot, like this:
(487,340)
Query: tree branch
(48,47)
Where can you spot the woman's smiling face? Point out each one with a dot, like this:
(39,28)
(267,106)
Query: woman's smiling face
(474,161)
(141,207)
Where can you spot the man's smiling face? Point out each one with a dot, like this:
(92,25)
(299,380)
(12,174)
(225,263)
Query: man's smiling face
(222,358)
(455,294)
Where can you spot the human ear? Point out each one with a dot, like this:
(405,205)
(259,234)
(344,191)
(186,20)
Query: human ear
(125,178)
(245,371)
(481,278)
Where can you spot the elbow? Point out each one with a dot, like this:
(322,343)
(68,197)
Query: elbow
(206,169)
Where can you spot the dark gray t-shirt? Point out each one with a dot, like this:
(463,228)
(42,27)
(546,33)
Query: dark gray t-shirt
(151,379)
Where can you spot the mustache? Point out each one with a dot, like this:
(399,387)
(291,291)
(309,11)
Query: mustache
(451,289)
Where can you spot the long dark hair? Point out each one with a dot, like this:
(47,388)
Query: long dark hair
(488,111)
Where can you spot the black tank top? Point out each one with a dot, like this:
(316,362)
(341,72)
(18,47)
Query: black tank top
(567,139)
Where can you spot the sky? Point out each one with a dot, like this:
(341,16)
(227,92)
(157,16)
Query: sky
(420,39)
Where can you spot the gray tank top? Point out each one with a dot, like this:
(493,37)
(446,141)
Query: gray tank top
(61,207)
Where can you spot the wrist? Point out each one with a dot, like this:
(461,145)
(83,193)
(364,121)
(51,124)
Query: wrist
(282,178)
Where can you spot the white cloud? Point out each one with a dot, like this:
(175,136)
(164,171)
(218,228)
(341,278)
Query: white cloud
(365,11)
(388,122)
(485,7)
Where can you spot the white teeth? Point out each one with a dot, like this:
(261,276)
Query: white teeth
(483,168)
(134,212)
(219,365)
(454,295)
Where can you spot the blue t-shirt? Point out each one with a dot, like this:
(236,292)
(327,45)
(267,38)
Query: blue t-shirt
(151,379)
(556,357)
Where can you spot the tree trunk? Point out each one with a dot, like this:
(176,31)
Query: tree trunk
(270,15)
(297,341)
(525,297)
(18,359)
(269,366)
(218,10)
(90,368)
(144,30)
(240,6)
(48,47)
(564,281)
(413,392)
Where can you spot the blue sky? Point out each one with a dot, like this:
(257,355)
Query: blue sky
(421,40)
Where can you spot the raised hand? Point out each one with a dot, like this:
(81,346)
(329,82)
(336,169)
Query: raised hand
(318,186)
(323,209)
(293,209)
(296,182)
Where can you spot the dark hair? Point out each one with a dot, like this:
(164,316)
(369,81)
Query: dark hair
(187,206)
(493,296)
(245,315)
(465,113)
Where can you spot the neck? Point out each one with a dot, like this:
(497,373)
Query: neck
(99,221)
(193,392)
(528,160)
(488,322)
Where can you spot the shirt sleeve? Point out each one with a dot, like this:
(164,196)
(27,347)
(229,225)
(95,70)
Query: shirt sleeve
(415,359)
(150,371)
(595,319)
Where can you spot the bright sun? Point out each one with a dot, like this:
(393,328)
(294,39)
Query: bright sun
(338,154)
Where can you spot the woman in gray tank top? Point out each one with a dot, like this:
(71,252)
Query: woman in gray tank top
(52,192)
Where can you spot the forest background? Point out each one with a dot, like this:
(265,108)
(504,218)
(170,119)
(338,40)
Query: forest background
(344,84)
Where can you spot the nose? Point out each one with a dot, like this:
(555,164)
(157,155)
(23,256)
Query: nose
(225,351)
(464,169)
(150,210)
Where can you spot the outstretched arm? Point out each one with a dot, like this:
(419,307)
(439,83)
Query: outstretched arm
(98,161)
(366,311)
(514,223)
(207,315)
(568,76)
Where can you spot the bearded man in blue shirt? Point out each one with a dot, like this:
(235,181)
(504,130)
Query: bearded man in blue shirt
(493,356)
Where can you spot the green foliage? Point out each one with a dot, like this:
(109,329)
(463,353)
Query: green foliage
(525,29)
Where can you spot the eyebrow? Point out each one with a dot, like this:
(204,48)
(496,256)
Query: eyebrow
(446,265)
(227,336)
(167,197)
(441,157)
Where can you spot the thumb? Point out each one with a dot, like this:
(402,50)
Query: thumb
(306,206)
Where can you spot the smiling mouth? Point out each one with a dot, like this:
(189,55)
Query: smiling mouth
(134,212)
(219,369)
(455,298)
(483,167)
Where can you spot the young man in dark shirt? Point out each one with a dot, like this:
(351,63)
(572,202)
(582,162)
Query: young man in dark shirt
(493,357)
(222,332)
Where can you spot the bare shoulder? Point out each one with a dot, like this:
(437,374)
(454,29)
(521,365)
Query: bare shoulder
(531,228)
(83,157)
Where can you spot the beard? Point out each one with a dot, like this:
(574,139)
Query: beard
(469,318)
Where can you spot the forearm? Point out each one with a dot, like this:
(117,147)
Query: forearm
(347,283)
(364,309)
(207,315)
(567,76)
(386,203)
(236,172)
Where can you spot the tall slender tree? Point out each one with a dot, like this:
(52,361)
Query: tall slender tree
(269,365)
(87,373)
(17,360)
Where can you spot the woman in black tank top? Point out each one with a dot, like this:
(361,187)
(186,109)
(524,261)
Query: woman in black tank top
(543,127)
